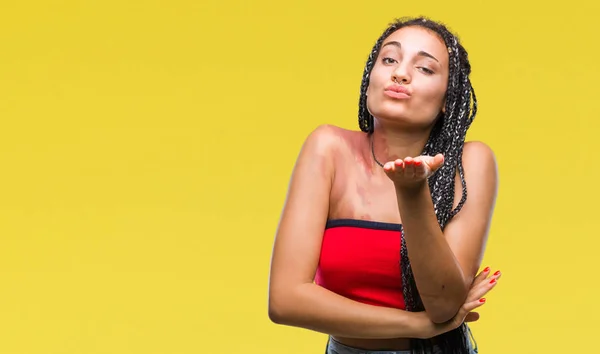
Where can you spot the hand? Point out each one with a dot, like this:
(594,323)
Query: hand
(412,171)
(481,286)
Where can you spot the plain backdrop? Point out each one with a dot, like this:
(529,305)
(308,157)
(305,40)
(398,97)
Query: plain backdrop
(146,147)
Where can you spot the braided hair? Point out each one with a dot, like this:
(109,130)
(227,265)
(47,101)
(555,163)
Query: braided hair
(447,137)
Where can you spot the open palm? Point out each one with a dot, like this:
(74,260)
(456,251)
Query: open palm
(411,171)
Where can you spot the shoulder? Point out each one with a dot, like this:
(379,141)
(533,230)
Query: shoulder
(327,140)
(478,150)
(478,155)
(480,166)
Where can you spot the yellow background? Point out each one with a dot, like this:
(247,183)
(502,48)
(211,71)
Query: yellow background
(146,146)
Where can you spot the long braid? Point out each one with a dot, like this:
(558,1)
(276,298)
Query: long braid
(447,137)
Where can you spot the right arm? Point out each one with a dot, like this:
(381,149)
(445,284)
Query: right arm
(294,299)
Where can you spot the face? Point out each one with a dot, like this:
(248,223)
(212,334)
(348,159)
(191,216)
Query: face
(417,58)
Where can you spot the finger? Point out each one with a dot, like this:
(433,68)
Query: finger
(438,160)
(389,167)
(481,289)
(409,167)
(399,168)
(470,306)
(420,167)
(482,275)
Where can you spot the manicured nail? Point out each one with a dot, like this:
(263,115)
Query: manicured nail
(497,273)
(487,269)
(493,281)
(417,163)
(482,300)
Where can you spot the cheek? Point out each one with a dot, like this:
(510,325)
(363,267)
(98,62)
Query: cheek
(378,76)
(435,93)
(430,102)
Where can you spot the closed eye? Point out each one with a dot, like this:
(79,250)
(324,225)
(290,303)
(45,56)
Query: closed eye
(426,70)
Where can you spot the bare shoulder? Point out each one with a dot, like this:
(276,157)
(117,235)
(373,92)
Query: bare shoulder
(481,171)
(328,140)
(323,138)
(298,239)
(478,156)
(481,175)
(478,150)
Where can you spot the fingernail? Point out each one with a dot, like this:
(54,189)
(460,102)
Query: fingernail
(492,281)
(497,273)
(487,269)
(417,163)
(482,300)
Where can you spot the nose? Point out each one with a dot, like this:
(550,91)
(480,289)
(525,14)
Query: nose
(400,75)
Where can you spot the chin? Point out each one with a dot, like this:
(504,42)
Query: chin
(395,114)
(401,119)
(389,110)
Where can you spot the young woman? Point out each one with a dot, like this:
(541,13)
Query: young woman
(379,243)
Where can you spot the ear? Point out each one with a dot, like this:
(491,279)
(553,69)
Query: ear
(444,106)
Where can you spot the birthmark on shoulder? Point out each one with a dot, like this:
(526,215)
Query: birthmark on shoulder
(363,194)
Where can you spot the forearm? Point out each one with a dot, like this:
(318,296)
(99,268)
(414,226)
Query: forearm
(313,307)
(438,275)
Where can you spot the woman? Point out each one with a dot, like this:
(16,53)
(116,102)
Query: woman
(378,245)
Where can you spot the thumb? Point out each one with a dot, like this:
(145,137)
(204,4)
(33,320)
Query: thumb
(434,162)
(472,317)
(438,161)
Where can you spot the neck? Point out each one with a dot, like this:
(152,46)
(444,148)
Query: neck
(392,143)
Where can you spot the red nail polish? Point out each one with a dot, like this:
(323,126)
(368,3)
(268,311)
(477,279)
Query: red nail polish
(492,281)
(417,163)
(482,300)
(487,269)
(497,273)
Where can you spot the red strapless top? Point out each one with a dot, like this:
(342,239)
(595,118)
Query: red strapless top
(360,260)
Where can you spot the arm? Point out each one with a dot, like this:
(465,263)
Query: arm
(294,299)
(444,280)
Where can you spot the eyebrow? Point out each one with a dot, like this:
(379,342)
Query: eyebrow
(421,53)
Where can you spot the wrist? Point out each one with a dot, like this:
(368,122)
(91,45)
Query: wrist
(411,190)
(422,326)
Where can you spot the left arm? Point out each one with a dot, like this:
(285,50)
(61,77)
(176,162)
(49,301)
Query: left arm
(444,263)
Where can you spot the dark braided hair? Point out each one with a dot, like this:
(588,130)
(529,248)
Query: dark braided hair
(447,137)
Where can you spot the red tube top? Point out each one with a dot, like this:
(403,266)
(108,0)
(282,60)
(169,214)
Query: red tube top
(360,260)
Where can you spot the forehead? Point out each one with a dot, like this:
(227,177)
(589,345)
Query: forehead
(415,39)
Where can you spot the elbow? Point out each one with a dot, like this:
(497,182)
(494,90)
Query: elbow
(275,314)
(277,310)
(442,315)
(285,305)
(443,310)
